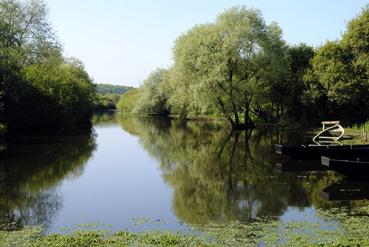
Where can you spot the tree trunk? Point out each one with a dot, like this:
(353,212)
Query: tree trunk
(222,107)
(237,119)
(247,120)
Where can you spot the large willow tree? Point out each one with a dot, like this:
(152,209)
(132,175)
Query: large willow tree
(230,66)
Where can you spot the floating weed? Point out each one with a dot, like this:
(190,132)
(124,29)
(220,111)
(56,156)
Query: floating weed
(93,225)
(97,238)
(138,221)
(20,238)
(334,227)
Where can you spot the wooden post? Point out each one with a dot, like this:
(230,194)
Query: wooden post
(363,133)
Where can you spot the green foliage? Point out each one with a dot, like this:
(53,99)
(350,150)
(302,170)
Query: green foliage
(339,77)
(239,68)
(335,227)
(106,101)
(21,238)
(356,39)
(108,96)
(228,65)
(111,89)
(153,94)
(332,71)
(128,101)
(67,91)
(31,237)
(40,89)
(292,88)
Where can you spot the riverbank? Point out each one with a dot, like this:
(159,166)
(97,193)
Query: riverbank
(336,227)
(31,236)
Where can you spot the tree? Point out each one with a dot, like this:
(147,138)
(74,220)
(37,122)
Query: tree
(290,92)
(338,80)
(356,39)
(106,101)
(26,24)
(153,97)
(128,101)
(228,65)
(40,88)
(65,94)
(111,89)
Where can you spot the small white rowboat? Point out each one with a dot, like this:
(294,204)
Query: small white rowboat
(329,134)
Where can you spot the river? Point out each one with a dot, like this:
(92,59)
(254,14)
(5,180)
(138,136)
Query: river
(150,173)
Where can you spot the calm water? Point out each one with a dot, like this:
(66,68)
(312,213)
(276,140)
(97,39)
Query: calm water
(163,173)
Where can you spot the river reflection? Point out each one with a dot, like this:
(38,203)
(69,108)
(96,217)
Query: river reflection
(31,170)
(221,176)
(183,173)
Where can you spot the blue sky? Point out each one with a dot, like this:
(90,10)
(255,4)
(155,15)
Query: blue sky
(121,42)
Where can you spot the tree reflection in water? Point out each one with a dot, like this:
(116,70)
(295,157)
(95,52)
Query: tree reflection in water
(221,176)
(31,170)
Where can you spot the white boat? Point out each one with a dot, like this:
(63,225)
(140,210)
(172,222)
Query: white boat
(331,133)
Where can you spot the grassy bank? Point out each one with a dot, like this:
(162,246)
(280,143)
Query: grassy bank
(31,237)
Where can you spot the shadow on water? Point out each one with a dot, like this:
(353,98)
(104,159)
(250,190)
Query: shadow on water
(221,176)
(31,168)
(104,119)
(347,189)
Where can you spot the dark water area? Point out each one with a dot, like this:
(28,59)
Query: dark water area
(151,173)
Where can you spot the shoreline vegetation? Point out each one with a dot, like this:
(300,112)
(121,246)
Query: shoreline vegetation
(335,227)
(240,69)
(107,96)
(237,68)
(41,90)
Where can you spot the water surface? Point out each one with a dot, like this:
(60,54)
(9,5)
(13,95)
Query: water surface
(166,174)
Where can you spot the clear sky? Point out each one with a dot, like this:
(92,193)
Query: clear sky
(122,41)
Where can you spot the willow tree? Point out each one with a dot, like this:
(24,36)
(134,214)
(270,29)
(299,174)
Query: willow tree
(153,94)
(228,65)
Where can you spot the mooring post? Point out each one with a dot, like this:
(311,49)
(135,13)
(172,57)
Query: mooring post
(362,132)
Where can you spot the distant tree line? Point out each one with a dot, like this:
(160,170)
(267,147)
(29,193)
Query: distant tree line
(108,96)
(40,89)
(106,102)
(111,89)
(241,69)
